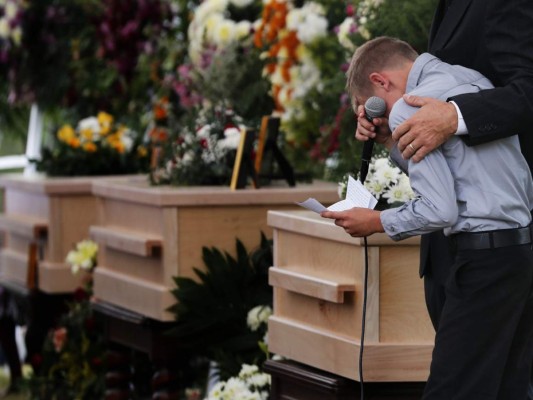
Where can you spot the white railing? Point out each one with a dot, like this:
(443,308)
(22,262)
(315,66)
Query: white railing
(33,145)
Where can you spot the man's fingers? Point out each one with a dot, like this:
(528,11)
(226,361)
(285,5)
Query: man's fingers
(401,130)
(415,101)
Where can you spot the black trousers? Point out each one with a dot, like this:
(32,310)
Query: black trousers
(484,342)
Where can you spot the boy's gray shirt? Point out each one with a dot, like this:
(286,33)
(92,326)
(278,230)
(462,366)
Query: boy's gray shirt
(459,188)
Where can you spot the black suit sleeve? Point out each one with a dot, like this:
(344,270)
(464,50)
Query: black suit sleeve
(507,109)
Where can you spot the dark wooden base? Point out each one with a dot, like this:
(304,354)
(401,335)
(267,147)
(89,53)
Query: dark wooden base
(127,331)
(294,381)
(40,312)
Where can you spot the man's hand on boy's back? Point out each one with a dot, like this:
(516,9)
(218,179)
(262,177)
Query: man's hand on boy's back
(427,129)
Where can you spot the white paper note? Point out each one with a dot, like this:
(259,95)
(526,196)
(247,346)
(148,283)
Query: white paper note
(356,196)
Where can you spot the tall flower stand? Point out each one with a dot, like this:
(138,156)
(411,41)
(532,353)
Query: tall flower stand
(149,235)
(318,277)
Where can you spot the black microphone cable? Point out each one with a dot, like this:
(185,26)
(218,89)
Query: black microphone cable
(375,107)
(363,322)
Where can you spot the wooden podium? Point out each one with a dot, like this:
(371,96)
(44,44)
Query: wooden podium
(318,277)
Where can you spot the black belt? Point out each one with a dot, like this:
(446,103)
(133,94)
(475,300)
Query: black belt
(492,239)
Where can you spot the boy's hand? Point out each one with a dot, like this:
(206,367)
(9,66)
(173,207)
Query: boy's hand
(356,222)
(379,130)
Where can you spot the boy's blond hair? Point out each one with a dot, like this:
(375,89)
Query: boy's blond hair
(377,54)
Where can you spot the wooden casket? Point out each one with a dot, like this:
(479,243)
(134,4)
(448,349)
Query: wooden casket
(149,235)
(43,219)
(318,279)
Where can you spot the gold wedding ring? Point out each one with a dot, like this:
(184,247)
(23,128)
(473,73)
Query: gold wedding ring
(412,147)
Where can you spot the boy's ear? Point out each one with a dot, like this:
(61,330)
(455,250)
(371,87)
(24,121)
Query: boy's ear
(379,80)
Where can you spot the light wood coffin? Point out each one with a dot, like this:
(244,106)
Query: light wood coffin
(318,277)
(149,235)
(43,219)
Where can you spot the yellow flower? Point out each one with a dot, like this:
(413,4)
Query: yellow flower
(142,151)
(89,147)
(105,120)
(87,134)
(66,133)
(115,142)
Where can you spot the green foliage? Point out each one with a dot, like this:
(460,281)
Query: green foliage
(72,364)
(408,20)
(212,311)
(64,160)
(234,80)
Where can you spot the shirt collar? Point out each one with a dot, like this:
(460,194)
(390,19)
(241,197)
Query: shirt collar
(417,69)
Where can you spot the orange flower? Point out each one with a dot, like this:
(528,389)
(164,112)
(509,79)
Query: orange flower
(74,142)
(89,147)
(158,134)
(66,133)
(160,109)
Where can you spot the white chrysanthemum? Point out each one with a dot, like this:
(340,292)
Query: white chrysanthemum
(405,185)
(375,187)
(207,8)
(225,33)
(386,174)
(257,316)
(313,27)
(211,26)
(396,194)
(243,29)
(247,371)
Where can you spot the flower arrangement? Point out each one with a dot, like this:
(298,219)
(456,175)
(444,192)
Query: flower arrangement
(202,154)
(71,364)
(219,23)
(386,182)
(250,384)
(83,55)
(96,146)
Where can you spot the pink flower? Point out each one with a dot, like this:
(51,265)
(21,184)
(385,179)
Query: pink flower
(59,338)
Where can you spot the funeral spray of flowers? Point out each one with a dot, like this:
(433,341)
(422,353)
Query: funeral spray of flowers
(250,384)
(71,364)
(202,153)
(97,145)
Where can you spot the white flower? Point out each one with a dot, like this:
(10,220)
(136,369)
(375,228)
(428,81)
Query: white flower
(347,27)
(313,27)
(385,181)
(232,138)
(243,29)
(10,10)
(224,32)
(257,316)
(4,28)
(84,257)
(91,126)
